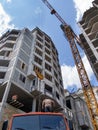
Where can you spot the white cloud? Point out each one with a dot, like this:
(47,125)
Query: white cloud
(38,11)
(5,20)
(70,75)
(81,6)
(8,1)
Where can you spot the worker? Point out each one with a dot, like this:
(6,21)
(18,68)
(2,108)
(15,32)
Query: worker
(48,105)
(14,97)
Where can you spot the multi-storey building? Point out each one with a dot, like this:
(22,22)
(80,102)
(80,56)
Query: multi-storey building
(81,118)
(95,3)
(89,36)
(29,72)
(80,93)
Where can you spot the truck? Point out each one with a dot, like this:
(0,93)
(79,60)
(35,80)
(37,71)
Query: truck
(37,121)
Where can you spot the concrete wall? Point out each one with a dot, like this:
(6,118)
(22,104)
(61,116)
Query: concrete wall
(8,112)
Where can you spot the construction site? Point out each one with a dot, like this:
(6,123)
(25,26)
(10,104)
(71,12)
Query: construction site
(30,72)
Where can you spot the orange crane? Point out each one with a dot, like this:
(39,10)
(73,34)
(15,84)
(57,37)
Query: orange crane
(86,86)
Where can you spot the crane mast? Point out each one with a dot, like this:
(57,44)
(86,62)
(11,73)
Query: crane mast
(86,86)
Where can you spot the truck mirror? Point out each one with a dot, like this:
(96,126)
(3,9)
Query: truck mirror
(5,124)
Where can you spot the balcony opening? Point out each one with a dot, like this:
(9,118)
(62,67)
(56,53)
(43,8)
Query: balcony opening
(68,104)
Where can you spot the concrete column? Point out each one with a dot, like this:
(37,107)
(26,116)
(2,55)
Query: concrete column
(34,105)
(4,99)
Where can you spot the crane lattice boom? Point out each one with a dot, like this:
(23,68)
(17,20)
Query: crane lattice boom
(87,88)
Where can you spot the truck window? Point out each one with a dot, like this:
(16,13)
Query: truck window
(52,122)
(38,122)
(25,123)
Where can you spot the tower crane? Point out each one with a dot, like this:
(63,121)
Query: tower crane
(85,83)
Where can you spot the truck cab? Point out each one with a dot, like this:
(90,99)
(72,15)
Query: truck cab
(38,121)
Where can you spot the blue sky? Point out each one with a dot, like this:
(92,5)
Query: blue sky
(31,13)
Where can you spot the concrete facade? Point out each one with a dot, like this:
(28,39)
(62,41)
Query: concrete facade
(80,93)
(22,52)
(89,36)
(81,119)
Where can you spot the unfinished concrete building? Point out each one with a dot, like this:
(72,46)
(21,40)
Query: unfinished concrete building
(80,93)
(22,53)
(95,3)
(81,118)
(89,36)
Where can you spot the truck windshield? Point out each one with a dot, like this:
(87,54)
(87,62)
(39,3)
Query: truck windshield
(38,122)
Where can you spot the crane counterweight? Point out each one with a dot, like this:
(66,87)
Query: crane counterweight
(53,11)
